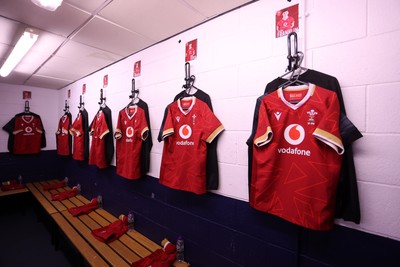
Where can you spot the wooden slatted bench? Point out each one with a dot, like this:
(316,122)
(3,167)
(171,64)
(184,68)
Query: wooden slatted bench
(130,247)
(13,192)
(52,208)
(17,196)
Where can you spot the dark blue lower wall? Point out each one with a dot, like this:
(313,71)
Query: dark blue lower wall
(218,231)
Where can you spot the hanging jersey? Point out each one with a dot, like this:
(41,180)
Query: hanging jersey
(189,126)
(63,139)
(297,156)
(347,202)
(131,130)
(26,134)
(212,172)
(146,144)
(78,133)
(98,131)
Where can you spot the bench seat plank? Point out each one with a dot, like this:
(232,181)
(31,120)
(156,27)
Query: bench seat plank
(94,222)
(130,247)
(57,204)
(13,192)
(141,239)
(42,199)
(104,249)
(84,248)
(138,248)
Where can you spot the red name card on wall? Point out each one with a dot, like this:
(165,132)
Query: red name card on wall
(105,81)
(26,95)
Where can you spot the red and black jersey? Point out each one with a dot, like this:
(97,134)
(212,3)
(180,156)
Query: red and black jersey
(347,202)
(98,130)
(189,126)
(26,134)
(146,144)
(63,138)
(79,131)
(212,172)
(131,130)
(297,156)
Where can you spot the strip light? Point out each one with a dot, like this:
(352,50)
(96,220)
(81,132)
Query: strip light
(23,45)
(50,5)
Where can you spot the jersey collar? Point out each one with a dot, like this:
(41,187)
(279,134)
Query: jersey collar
(27,118)
(190,98)
(294,106)
(134,108)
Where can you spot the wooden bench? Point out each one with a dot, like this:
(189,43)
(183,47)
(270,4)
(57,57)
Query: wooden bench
(13,192)
(130,247)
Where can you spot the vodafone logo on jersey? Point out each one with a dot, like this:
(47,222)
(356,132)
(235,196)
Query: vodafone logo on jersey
(185,131)
(129,132)
(294,134)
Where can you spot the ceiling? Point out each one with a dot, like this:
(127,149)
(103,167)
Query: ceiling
(81,37)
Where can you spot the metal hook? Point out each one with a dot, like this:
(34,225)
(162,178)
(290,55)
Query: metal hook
(292,59)
(134,92)
(187,75)
(101,97)
(66,107)
(81,104)
(26,106)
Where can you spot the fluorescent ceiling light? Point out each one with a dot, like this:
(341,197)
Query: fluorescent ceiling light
(23,45)
(50,5)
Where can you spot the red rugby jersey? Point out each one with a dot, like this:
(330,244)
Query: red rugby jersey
(297,156)
(78,133)
(63,137)
(189,125)
(98,131)
(131,130)
(28,131)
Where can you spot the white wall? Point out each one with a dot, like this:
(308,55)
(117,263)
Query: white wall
(355,41)
(44,102)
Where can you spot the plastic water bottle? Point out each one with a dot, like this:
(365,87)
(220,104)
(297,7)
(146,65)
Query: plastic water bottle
(66,181)
(180,248)
(20,179)
(78,189)
(100,201)
(131,221)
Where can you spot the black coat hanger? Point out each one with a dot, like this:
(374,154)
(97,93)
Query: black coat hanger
(189,82)
(295,59)
(27,109)
(81,103)
(134,94)
(102,102)
(66,107)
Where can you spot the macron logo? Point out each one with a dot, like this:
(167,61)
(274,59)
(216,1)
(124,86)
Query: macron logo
(277,115)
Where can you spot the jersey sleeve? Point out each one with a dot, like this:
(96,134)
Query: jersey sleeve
(59,127)
(104,130)
(168,128)
(77,126)
(118,131)
(327,131)
(212,126)
(263,133)
(144,129)
(92,125)
(160,134)
(9,127)
(40,129)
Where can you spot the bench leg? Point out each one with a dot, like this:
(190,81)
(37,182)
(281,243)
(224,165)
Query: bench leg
(54,235)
